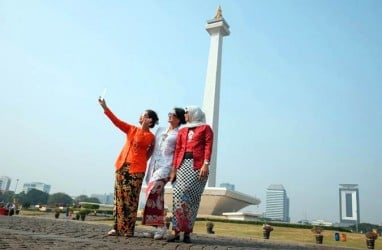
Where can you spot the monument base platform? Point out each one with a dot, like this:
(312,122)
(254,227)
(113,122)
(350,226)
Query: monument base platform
(216,200)
(242,216)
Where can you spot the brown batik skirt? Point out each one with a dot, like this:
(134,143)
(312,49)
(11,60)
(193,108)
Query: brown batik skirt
(127,188)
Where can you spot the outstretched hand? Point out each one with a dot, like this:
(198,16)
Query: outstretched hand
(102,102)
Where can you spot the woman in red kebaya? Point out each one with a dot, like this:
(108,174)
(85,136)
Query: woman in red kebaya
(190,171)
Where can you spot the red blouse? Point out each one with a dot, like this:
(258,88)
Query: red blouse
(200,145)
(137,146)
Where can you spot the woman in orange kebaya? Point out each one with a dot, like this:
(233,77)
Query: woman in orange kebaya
(130,168)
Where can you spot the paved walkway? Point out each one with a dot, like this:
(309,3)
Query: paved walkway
(31,232)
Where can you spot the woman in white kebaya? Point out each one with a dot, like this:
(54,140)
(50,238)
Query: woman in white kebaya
(158,172)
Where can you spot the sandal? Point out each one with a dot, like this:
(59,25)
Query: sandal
(112,233)
(173,238)
(187,239)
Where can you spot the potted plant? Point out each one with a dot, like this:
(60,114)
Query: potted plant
(210,227)
(267,229)
(57,212)
(317,231)
(82,213)
(370,238)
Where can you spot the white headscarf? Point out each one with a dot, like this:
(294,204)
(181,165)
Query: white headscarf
(196,117)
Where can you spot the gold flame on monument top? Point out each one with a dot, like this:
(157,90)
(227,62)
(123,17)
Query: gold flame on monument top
(219,14)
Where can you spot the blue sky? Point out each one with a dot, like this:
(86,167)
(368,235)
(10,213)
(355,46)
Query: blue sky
(301,91)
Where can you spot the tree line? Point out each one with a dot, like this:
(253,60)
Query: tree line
(37,197)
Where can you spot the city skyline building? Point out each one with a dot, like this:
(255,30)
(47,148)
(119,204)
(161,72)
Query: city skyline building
(5,183)
(349,204)
(277,203)
(36,185)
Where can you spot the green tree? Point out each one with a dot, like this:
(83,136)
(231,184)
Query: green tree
(93,200)
(85,198)
(60,198)
(6,196)
(22,199)
(81,198)
(35,196)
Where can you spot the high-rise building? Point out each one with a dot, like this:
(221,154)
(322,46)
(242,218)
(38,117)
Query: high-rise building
(5,183)
(349,204)
(36,185)
(277,203)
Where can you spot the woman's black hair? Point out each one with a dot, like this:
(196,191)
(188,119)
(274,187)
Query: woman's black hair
(180,114)
(154,117)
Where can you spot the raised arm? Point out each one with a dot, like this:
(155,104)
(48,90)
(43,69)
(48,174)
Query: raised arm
(124,126)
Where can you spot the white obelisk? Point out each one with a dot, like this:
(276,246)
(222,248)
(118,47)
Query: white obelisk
(215,200)
(217,28)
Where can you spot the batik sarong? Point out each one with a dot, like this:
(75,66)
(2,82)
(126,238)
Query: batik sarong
(188,190)
(154,211)
(126,198)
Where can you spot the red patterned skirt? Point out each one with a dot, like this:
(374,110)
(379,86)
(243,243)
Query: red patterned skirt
(154,213)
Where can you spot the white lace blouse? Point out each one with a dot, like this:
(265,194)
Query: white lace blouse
(161,160)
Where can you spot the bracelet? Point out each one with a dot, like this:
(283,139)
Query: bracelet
(206,162)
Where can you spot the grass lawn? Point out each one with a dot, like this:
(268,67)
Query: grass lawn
(353,240)
(287,234)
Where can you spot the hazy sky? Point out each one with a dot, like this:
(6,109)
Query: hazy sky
(301,92)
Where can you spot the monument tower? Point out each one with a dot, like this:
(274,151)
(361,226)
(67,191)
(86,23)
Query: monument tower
(217,28)
(215,200)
